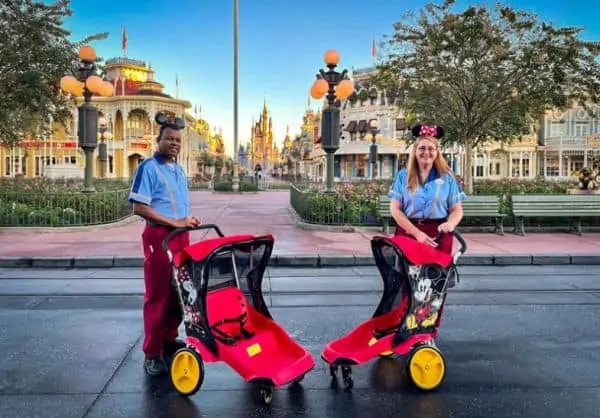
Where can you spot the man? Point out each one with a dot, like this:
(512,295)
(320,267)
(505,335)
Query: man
(160,195)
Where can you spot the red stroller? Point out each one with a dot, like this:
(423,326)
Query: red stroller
(219,282)
(415,281)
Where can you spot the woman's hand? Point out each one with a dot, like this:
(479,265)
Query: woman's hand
(446,227)
(423,238)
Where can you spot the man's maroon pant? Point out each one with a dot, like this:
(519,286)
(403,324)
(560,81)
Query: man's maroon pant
(162,311)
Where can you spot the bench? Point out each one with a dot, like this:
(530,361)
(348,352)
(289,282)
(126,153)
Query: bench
(485,206)
(572,207)
(473,207)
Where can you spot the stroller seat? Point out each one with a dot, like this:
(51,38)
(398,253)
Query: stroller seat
(228,315)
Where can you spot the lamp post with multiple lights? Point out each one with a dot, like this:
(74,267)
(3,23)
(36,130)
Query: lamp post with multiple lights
(335,87)
(85,81)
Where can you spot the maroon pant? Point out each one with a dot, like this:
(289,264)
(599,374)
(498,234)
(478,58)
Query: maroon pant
(162,311)
(445,243)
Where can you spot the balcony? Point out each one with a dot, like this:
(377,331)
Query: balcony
(565,142)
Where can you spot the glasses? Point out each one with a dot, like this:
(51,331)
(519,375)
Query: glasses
(430,149)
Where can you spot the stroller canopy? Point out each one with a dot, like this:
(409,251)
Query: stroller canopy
(199,251)
(418,253)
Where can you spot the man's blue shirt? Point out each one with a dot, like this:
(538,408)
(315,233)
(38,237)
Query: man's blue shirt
(161,185)
(432,200)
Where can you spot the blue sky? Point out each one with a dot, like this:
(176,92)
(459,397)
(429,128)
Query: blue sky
(281,46)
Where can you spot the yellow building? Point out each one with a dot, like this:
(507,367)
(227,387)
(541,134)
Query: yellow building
(129,113)
(264,151)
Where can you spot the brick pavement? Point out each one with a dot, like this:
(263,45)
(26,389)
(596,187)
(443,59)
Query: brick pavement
(266,212)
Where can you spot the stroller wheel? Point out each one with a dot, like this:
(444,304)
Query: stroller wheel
(266,394)
(347,377)
(187,371)
(426,367)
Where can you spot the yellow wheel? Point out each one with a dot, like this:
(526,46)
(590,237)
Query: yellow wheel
(426,367)
(187,371)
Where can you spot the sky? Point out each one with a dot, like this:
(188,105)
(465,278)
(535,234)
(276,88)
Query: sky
(281,47)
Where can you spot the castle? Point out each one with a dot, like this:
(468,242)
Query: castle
(262,149)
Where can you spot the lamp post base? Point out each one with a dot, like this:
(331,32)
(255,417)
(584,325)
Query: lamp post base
(330,188)
(88,175)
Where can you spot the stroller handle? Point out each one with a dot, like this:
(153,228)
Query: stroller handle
(177,231)
(459,238)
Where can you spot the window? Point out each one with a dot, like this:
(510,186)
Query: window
(526,161)
(479,166)
(582,129)
(516,167)
(557,129)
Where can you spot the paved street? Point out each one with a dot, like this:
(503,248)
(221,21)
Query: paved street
(261,213)
(520,341)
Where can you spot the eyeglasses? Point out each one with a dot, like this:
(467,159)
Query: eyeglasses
(430,149)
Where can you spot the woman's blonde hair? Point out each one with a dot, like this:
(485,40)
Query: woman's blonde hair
(439,163)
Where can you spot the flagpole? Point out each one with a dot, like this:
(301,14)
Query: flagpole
(236,180)
(124,41)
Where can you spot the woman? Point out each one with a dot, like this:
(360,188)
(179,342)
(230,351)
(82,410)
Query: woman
(426,197)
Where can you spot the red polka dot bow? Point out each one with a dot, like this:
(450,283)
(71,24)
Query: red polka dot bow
(428,130)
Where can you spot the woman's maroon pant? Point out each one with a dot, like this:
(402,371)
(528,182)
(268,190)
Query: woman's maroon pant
(162,311)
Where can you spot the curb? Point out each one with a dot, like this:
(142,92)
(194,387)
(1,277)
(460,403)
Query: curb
(309,261)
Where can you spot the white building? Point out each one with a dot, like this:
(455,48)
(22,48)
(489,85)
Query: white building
(569,141)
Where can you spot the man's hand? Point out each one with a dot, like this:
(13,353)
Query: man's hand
(187,222)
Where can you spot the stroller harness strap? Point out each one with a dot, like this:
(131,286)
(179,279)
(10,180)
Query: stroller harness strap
(228,338)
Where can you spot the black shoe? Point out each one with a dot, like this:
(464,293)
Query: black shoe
(170,348)
(155,366)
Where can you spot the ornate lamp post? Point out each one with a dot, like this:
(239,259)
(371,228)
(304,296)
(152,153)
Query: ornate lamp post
(374,136)
(335,86)
(102,148)
(86,82)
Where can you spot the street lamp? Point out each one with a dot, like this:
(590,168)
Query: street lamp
(374,136)
(86,82)
(102,148)
(335,87)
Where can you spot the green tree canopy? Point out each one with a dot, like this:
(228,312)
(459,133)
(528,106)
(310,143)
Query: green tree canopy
(486,73)
(35,53)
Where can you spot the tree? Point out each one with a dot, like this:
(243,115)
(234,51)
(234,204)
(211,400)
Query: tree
(36,52)
(487,74)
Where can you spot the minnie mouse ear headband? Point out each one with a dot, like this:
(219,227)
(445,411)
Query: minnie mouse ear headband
(428,130)
(169,122)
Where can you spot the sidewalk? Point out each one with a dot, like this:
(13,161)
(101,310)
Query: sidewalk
(268,212)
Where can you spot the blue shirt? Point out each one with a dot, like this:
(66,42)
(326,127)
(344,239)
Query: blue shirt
(162,186)
(431,200)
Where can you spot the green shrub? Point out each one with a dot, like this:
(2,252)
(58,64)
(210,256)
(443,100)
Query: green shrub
(45,202)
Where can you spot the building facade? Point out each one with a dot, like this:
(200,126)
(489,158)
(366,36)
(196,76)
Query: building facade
(129,113)
(566,141)
(569,140)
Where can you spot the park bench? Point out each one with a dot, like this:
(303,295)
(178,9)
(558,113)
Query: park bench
(571,207)
(476,206)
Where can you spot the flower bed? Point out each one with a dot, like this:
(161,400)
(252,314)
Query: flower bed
(58,203)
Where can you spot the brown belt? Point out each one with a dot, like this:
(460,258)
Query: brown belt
(426,221)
